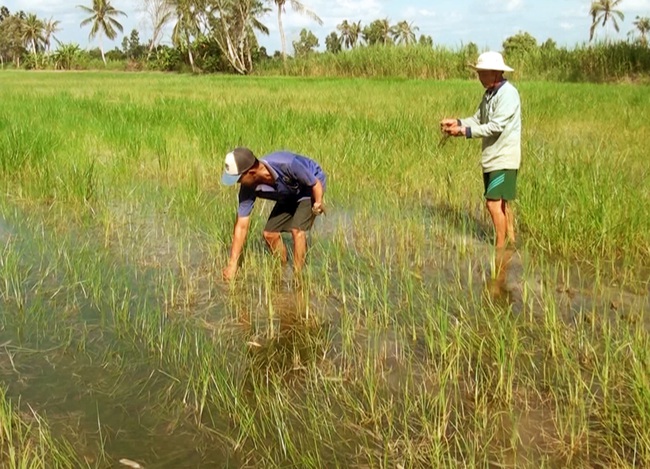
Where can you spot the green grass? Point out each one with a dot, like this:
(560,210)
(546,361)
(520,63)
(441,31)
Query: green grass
(601,62)
(27,443)
(390,351)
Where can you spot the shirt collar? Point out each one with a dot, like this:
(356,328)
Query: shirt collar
(273,172)
(492,91)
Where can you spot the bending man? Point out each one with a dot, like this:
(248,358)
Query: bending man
(296,183)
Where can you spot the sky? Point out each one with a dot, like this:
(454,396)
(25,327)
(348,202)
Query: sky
(451,23)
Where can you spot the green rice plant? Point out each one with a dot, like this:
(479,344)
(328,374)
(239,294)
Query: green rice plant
(26,441)
(23,146)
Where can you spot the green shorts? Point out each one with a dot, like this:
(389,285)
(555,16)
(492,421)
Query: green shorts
(286,216)
(500,184)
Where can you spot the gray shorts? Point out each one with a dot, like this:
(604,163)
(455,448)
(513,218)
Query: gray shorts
(286,216)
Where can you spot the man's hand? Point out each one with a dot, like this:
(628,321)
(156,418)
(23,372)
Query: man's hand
(451,127)
(447,123)
(317,208)
(229,272)
(455,130)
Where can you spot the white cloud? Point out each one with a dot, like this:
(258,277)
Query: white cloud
(418,13)
(513,5)
(496,6)
(636,6)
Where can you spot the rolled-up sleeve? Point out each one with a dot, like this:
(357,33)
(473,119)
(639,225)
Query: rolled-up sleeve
(246,201)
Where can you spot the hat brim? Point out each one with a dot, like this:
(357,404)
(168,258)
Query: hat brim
(505,68)
(229,179)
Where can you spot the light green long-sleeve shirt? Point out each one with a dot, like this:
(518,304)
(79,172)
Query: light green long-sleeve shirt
(498,123)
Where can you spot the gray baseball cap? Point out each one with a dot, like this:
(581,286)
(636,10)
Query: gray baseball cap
(237,162)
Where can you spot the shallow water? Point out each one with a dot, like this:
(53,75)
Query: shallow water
(110,396)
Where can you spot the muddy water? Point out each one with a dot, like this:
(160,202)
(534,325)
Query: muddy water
(117,411)
(99,391)
(523,282)
(109,397)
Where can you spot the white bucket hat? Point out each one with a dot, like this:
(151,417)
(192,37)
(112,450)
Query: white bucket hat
(491,61)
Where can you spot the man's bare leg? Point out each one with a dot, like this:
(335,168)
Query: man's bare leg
(299,249)
(497,212)
(510,222)
(275,244)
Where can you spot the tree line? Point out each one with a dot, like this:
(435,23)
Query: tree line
(220,35)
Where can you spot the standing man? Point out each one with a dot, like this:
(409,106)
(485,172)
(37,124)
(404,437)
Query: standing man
(498,123)
(294,182)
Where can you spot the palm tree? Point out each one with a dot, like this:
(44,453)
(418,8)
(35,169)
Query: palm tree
(404,33)
(297,7)
(103,21)
(4,13)
(33,32)
(604,11)
(355,33)
(186,27)
(50,27)
(378,32)
(642,24)
(384,31)
(350,33)
(344,33)
(253,24)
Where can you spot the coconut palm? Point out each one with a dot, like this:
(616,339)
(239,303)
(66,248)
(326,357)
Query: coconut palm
(103,21)
(33,32)
(50,27)
(642,27)
(404,33)
(186,27)
(378,32)
(4,13)
(298,7)
(253,24)
(349,33)
(603,11)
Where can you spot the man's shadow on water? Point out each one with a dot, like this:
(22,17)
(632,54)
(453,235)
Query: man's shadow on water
(468,220)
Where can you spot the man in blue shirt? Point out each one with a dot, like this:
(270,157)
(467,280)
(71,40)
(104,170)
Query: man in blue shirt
(296,183)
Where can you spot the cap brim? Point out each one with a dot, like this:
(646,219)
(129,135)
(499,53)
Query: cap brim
(229,179)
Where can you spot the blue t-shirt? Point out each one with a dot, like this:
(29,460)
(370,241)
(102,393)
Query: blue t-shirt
(294,175)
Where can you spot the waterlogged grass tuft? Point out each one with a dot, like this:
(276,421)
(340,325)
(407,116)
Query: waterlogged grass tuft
(403,344)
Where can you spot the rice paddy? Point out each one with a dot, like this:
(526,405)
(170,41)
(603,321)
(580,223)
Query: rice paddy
(401,345)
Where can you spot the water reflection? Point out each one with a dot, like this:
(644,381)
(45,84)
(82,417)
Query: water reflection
(497,285)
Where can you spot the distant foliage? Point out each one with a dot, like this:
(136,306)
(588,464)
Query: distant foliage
(641,30)
(521,42)
(378,32)
(333,43)
(306,45)
(426,41)
(215,36)
(599,63)
(67,57)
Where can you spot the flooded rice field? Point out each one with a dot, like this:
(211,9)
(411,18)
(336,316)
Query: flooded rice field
(119,351)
